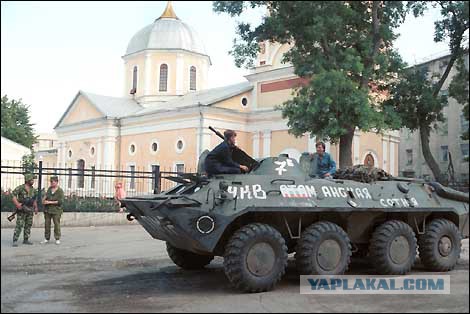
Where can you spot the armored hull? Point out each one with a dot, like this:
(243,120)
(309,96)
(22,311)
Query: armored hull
(254,220)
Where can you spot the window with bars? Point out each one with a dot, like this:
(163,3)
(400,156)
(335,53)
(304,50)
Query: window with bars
(444,153)
(192,78)
(163,85)
(409,157)
(132,174)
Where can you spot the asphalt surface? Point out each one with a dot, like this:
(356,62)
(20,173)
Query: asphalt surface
(122,269)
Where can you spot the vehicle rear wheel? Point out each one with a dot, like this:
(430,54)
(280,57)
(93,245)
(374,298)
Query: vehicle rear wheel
(255,258)
(440,245)
(186,259)
(392,248)
(324,248)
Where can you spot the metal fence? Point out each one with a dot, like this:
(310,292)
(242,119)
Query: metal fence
(88,189)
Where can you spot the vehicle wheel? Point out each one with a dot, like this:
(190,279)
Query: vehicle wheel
(186,259)
(255,258)
(392,248)
(439,247)
(324,249)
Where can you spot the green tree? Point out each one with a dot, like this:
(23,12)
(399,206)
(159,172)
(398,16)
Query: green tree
(15,123)
(343,47)
(415,99)
(28,163)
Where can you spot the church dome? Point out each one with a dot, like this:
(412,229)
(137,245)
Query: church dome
(167,32)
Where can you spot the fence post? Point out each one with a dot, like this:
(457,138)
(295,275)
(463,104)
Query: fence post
(156,179)
(39,200)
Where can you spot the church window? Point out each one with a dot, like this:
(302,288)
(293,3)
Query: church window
(134,81)
(179,145)
(192,78)
(132,149)
(163,78)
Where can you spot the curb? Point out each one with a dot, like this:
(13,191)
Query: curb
(74,220)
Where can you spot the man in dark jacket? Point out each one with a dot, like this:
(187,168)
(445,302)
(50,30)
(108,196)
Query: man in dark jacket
(220,161)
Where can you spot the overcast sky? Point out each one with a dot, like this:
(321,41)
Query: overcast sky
(50,50)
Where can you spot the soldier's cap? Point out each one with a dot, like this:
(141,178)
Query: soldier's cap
(29,176)
(54,178)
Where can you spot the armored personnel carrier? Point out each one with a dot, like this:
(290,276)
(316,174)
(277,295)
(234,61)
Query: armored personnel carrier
(255,220)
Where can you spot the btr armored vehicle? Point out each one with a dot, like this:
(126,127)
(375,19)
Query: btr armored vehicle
(255,220)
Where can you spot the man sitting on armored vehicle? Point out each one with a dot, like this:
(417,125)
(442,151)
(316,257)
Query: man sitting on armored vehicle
(219,160)
(321,163)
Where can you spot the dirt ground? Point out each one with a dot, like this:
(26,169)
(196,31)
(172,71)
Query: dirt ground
(122,269)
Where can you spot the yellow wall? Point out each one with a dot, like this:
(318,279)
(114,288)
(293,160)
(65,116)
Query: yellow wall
(271,99)
(81,150)
(157,58)
(277,60)
(371,142)
(235,103)
(82,110)
(281,140)
(166,155)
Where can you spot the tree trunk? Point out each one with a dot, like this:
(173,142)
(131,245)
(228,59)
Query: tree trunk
(345,149)
(424,134)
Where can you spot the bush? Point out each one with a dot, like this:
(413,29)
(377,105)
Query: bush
(71,203)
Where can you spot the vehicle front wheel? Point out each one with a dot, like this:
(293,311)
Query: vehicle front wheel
(186,259)
(255,258)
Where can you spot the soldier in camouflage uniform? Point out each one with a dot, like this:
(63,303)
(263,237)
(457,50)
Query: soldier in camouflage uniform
(24,198)
(53,201)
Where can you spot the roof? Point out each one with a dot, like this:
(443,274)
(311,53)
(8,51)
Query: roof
(110,107)
(7,141)
(204,97)
(166,32)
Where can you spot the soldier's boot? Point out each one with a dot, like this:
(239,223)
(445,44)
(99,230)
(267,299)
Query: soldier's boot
(15,243)
(27,242)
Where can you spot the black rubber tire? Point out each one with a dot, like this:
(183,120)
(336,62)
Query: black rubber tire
(187,260)
(380,243)
(428,248)
(237,252)
(306,257)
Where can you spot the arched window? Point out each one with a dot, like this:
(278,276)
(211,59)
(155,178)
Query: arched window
(134,81)
(192,78)
(163,78)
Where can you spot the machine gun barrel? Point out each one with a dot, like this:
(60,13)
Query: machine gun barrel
(217,133)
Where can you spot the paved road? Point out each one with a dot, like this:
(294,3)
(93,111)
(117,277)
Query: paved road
(122,269)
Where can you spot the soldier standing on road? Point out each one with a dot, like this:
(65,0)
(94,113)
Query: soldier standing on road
(24,198)
(53,201)
(322,165)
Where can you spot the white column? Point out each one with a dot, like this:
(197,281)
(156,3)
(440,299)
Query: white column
(255,144)
(392,158)
(384,153)
(327,146)
(99,163)
(203,75)
(311,143)
(148,75)
(357,143)
(109,152)
(266,143)
(203,141)
(179,72)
